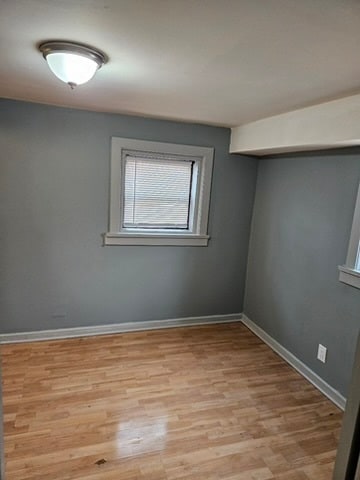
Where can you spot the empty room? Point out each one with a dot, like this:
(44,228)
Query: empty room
(180,240)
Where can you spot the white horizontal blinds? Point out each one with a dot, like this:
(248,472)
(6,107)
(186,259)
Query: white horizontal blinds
(157,193)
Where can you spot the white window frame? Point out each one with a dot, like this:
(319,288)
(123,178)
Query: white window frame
(350,272)
(197,234)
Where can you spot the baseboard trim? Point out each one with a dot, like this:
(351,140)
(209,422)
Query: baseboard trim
(73,332)
(304,370)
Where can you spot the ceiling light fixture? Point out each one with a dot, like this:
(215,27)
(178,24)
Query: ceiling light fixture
(73,63)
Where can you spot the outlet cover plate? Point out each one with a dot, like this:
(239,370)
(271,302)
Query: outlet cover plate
(322,351)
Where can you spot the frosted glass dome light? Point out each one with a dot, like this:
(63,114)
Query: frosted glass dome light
(73,63)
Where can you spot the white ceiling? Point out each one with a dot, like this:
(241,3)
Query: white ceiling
(222,62)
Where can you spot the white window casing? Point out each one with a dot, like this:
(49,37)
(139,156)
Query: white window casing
(159,212)
(350,272)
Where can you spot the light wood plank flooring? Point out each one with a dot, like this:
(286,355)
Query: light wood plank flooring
(200,403)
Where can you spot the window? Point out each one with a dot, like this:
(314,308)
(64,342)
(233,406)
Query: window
(350,272)
(159,193)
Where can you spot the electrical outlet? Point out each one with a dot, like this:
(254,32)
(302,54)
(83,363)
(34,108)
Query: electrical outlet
(321,355)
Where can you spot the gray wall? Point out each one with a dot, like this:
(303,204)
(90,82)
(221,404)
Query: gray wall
(300,231)
(54,188)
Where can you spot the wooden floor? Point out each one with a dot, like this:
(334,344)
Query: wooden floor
(200,403)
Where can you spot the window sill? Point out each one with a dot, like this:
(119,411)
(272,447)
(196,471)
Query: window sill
(349,276)
(156,239)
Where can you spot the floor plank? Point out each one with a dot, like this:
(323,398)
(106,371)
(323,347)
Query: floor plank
(204,403)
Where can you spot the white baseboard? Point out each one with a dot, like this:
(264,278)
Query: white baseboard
(72,332)
(304,370)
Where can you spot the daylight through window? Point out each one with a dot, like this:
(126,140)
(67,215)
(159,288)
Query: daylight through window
(157,193)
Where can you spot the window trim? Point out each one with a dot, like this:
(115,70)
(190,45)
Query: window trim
(197,236)
(350,272)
